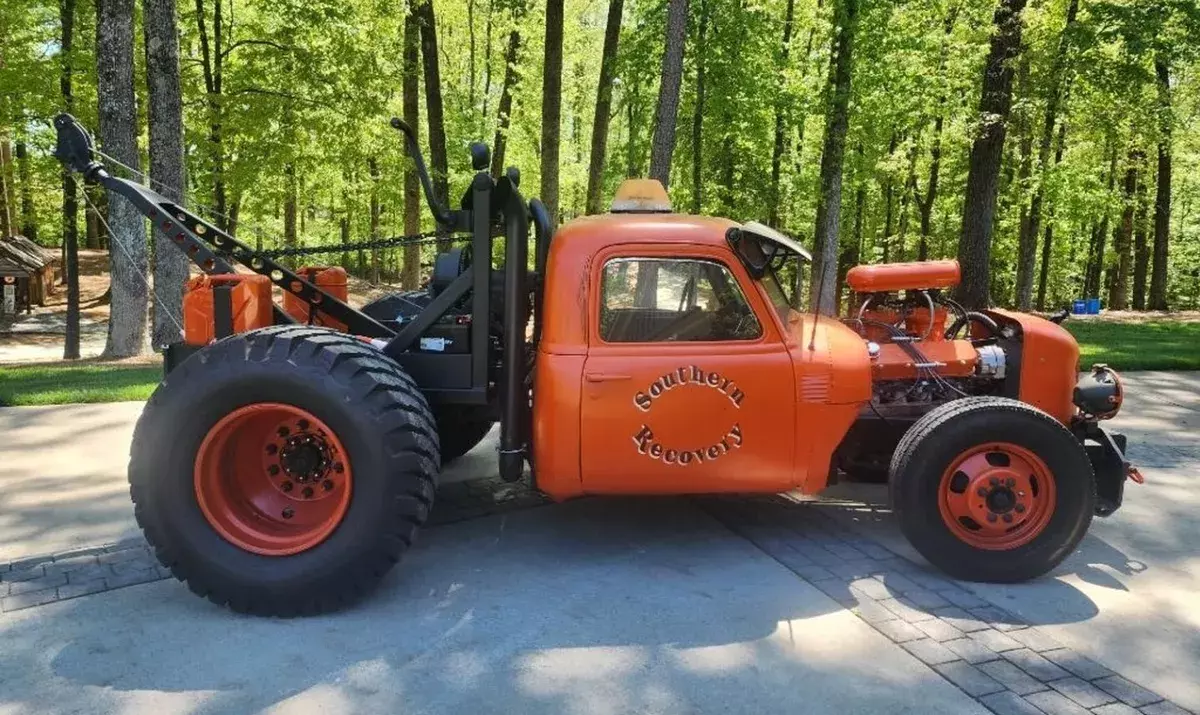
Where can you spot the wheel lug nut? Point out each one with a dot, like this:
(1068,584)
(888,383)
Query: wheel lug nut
(327,485)
(307,493)
(991,516)
(339,467)
(1007,518)
(1010,482)
(273,469)
(302,424)
(283,432)
(288,513)
(1020,508)
(994,482)
(272,449)
(286,486)
(982,491)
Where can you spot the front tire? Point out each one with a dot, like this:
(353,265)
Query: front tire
(992,489)
(284,471)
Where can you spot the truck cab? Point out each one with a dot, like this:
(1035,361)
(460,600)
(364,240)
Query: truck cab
(672,369)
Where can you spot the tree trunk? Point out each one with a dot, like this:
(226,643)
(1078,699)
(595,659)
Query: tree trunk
(1118,296)
(889,195)
(510,81)
(829,206)
(777,151)
(487,63)
(118,138)
(663,145)
(471,51)
(979,209)
(25,178)
(1162,200)
(608,67)
(8,213)
(552,106)
(70,200)
(1096,258)
(376,212)
(92,218)
(1048,243)
(289,206)
(925,203)
(698,113)
(166,160)
(439,168)
(411,276)
(212,63)
(1141,248)
(1053,99)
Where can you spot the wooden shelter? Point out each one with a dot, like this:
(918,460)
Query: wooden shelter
(27,274)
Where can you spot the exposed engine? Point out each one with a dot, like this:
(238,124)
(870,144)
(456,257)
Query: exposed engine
(920,356)
(925,349)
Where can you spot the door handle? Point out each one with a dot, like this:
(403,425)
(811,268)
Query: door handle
(604,377)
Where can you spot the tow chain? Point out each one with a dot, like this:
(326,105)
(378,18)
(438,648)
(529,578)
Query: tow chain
(371,244)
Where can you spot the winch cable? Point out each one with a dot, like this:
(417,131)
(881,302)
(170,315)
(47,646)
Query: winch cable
(115,239)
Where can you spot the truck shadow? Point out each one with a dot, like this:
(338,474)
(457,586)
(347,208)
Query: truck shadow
(616,605)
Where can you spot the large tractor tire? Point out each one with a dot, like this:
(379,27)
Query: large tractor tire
(284,471)
(991,489)
(459,430)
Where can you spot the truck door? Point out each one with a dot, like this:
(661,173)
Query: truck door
(687,386)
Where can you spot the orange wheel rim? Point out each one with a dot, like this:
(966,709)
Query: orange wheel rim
(272,479)
(997,496)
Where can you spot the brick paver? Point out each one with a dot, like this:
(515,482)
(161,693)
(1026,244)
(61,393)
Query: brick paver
(1005,663)
(37,581)
(992,655)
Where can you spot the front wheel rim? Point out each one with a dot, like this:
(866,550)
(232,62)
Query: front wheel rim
(272,479)
(997,496)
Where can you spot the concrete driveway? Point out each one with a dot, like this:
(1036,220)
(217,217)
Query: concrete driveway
(599,606)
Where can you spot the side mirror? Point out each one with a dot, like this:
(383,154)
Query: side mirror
(481,156)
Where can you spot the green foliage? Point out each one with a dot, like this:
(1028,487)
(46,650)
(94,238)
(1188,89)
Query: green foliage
(308,87)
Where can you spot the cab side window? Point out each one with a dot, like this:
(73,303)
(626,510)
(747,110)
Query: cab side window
(647,300)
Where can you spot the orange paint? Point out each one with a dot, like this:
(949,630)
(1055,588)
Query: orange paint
(248,495)
(760,415)
(250,300)
(890,277)
(1049,363)
(997,497)
(958,359)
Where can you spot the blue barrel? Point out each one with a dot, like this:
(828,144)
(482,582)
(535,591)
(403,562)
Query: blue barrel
(1079,307)
(1093,306)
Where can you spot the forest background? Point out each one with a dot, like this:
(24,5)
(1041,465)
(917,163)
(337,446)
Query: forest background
(1052,146)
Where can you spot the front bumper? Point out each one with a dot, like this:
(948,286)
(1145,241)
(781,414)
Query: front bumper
(1106,450)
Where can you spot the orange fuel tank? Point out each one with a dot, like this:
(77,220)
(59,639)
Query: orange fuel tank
(332,281)
(890,277)
(250,297)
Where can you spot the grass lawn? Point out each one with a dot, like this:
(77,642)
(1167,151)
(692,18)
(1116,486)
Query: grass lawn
(1150,345)
(56,384)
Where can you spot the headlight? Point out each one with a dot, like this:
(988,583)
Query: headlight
(1099,395)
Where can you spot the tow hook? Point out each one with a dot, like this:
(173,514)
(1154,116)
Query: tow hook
(1133,473)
